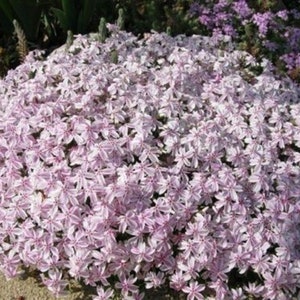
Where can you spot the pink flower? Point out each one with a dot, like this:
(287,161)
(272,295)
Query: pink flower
(10,264)
(220,288)
(143,252)
(237,294)
(54,282)
(104,294)
(152,170)
(194,291)
(178,281)
(273,284)
(127,285)
(78,263)
(239,259)
(154,280)
(254,289)
(182,158)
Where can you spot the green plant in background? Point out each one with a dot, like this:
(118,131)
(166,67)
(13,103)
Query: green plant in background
(28,14)
(70,39)
(147,15)
(45,23)
(114,56)
(22,47)
(250,41)
(102,30)
(3,62)
(121,19)
(179,20)
(143,16)
(32,28)
(75,15)
(6,25)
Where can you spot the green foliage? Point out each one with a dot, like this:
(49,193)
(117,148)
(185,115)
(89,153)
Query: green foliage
(291,4)
(66,16)
(107,9)
(114,56)
(121,19)
(3,62)
(22,41)
(75,15)
(27,13)
(45,23)
(7,16)
(179,20)
(102,30)
(70,39)
(143,15)
(85,15)
(44,20)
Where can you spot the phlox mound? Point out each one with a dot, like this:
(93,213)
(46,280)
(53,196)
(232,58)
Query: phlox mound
(137,163)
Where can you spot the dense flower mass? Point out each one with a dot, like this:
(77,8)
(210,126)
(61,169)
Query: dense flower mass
(142,162)
(266,26)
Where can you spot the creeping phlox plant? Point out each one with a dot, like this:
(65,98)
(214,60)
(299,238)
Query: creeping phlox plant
(173,163)
(267,27)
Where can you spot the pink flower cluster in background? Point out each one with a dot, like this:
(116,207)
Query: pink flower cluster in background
(275,28)
(168,167)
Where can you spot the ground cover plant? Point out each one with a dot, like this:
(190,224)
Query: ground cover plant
(137,163)
(263,28)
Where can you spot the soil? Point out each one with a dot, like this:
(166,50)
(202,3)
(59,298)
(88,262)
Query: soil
(29,288)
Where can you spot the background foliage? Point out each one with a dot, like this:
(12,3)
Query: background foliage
(46,22)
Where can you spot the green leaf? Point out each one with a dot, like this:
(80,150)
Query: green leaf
(29,15)
(60,15)
(7,9)
(5,23)
(69,10)
(102,30)
(70,39)
(114,56)
(121,19)
(85,16)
